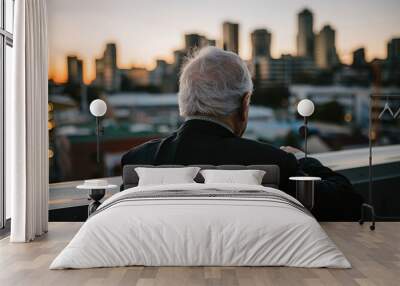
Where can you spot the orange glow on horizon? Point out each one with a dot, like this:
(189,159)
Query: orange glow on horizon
(59,74)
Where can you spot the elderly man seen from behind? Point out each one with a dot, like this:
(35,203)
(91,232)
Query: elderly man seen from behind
(215,88)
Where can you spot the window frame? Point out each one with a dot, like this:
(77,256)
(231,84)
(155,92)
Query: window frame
(6,39)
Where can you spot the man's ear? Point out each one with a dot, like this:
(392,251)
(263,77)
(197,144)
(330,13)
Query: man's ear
(244,110)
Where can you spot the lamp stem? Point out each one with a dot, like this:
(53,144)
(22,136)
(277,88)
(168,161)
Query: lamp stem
(98,139)
(305,136)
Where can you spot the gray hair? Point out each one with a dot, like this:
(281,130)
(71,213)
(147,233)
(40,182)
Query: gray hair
(213,82)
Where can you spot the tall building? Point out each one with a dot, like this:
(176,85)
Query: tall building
(285,70)
(74,69)
(325,48)
(359,58)
(157,76)
(193,41)
(99,72)
(392,74)
(197,41)
(107,72)
(163,76)
(260,43)
(179,58)
(393,51)
(305,34)
(110,68)
(230,37)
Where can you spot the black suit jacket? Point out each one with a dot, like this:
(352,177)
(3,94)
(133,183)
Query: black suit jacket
(204,142)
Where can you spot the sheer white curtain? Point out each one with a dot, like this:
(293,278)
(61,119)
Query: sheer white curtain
(26,124)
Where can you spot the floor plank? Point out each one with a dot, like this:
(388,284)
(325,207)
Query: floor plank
(375,257)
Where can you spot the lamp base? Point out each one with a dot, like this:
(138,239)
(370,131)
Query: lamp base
(96,195)
(305,189)
(372,210)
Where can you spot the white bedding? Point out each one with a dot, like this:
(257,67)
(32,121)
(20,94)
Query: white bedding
(219,231)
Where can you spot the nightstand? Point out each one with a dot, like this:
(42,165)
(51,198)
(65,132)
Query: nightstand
(97,190)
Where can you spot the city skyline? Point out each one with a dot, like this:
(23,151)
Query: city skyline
(156,44)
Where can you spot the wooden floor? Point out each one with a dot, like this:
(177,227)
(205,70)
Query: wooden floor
(375,257)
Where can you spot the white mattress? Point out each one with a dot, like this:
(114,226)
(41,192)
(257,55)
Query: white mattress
(202,231)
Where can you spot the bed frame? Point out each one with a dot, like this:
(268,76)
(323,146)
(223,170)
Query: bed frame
(271,178)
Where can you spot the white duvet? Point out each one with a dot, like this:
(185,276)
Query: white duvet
(200,231)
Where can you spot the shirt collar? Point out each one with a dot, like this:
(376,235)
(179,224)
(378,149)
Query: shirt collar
(210,119)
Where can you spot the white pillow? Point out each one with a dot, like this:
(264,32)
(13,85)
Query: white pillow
(165,176)
(248,177)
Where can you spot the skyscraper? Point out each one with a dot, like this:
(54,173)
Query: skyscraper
(179,58)
(74,69)
(284,70)
(230,37)
(393,61)
(393,51)
(260,43)
(197,41)
(193,41)
(359,58)
(110,68)
(162,76)
(99,72)
(107,72)
(325,48)
(305,34)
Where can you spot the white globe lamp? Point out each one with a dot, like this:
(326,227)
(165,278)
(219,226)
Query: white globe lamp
(305,108)
(98,108)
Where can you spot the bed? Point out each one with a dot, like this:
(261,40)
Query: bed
(198,224)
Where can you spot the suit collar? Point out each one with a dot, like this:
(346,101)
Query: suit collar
(209,119)
(197,125)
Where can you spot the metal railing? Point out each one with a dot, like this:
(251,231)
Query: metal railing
(353,163)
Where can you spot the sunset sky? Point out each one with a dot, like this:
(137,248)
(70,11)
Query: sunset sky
(145,30)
